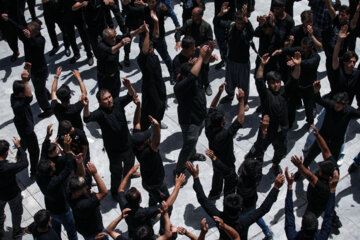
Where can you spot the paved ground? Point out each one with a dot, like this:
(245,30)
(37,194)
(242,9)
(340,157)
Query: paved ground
(187,211)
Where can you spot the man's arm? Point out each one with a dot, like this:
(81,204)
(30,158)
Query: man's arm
(80,81)
(25,76)
(79,5)
(137,31)
(86,112)
(99,182)
(179,181)
(164,211)
(231,232)
(330,7)
(111,227)
(156,31)
(241,111)
(195,70)
(137,114)
(322,144)
(259,78)
(312,178)
(355,18)
(55,83)
(290,227)
(127,177)
(23,162)
(217,96)
(131,90)
(343,33)
(146,43)
(155,142)
(297,69)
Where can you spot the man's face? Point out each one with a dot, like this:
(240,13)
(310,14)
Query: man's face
(111,39)
(307,23)
(190,51)
(152,4)
(195,16)
(274,85)
(106,100)
(338,107)
(279,11)
(239,23)
(349,65)
(305,49)
(343,17)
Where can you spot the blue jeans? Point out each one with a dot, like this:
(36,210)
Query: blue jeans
(16,209)
(161,48)
(261,223)
(66,219)
(171,11)
(93,236)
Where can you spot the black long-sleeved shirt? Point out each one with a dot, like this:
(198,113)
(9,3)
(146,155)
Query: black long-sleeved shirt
(241,223)
(290,227)
(202,33)
(284,26)
(349,83)
(190,94)
(113,124)
(23,119)
(299,34)
(8,185)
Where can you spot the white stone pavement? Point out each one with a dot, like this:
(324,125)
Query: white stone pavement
(187,211)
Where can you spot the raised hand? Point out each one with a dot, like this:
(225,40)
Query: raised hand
(297,58)
(279,181)
(192,170)
(316,131)
(204,226)
(180,180)
(91,168)
(333,181)
(164,208)
(316,86)
(224,8)
(219,221)
(16,142)
(49,131)
(125,41)
(240,95)
(124,212)
(264,124)
(5,17)
(26,33)
(210,154)
(222,87)
(343,33)
(153,15)
(153,121)
(296,160)
(289,177)
(84,100)
(265,58)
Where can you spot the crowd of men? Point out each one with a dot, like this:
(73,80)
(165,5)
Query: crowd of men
(286,77)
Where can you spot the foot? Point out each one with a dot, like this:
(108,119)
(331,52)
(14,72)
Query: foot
(90,61)
(277,169)
(198,157)
(208,90)
(127,62)
(269,236)
(135,175)
(226,99)
(246,107)
(14,57)
(67,52)
(163,126)
(74,58)
(45,114)
(340,161)
(352,168)
(297,176)
(336,223)
(220,65)
(54,50)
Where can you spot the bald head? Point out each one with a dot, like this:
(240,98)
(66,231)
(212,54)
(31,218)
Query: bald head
(197,14)
(109,35)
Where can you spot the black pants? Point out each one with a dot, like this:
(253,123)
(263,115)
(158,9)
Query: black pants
(10,35)
(314,151)
(70,31)
(117,170)
(38,78)
(30,142)
(31,5)
(307,95)
(111,83)
(217,182)
(115,8)
(52,15)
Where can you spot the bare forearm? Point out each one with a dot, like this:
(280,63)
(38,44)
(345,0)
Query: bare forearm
(124,182)
(241,112)
(116,48)
(192,236)
(86,112)
(100,184)
(307,174)
(317,43)
(216,99)
(155,142)
(260,71)
(335,60)
(296,72)
(137,116)
(195,70)
(28,92)
(146,43)
(231,232)
(80,169)
(54,87)
(111,227)
(323,146)
(171,199)
(156,32)
(354,21)
(82,86)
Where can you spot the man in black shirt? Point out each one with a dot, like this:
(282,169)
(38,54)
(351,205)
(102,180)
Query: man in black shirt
(85,205)
(115,132)
(283,21)
(65,110)
(289,5)
(23,119)
(41,228)
(187,53)
(10,191)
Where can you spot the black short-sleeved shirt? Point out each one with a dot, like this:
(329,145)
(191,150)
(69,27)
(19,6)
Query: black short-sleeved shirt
(49,235)
(284,26)
(349,83)
(318,195)
(23,118)
(151,167)
(71,113)
(87,214)
(78,141)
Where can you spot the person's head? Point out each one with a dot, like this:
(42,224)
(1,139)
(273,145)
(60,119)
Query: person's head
(349,60)
(309,224)
(133,197)
(109,36)
(279,7)
(197,14)
(19,89)
(239,20)
(307,18)
(53,150)
(344,14)
(64,93)
(34,28)
(188,46)
(152,4)
(46,167)
(184,71)
(341,99)
(4,148)
(326,169)
(42,219)
(232,205)
(307,45)
(249,168)
(144,232)
(104,98)
(65,127)
(217,119)
(140,138)
(267,28)
(273,79)
(77,186)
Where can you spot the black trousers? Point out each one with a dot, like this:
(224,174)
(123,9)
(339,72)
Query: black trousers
(30,142)
(38,78)
(307,95)
(120,164)
(70,31)
(111,83)
(10,35)
(314,151)
(115,8)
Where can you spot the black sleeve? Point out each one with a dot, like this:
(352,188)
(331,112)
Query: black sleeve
(209,206)
(185,84)
(181,32)
(58,179)
(234,127)
(261,87)
(79,106)
(122,200)
(93,117)
(21,164)
(125,100)
(90,203)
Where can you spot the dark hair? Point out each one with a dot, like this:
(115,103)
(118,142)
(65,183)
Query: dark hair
(44,167)
(101,92)
(200,11)
(185,69)
(216,118)
(307,41)
(63,93)
(133,197)
(341,97)
(232,204)
(278,3)
(267,24)
(307,15)
(4,147)
(273,76)
(252,167)
(18,87)
(348,55)
(239,15)
(65,127)
(34,26)
(309,224)
(187,41)
(42,218)
(51,148)
(344,8)
(143,232)
(76,183)
(327,167)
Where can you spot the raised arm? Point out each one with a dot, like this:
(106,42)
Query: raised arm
(218,95)
(80,81)
(312,178)
(155,142)
(55,83)
(129,87)
(322,144)
(355,18)
(164,212)
(137,31)
(231,232)
(137,114)
(179,181)
(290,227)
(111,227)
(330,7)
(156,31)
(241,110)
(343,33)
(204,227)
(146,43)
(297,69)
(127,177)
(195,70)
(85,101)
(264,60)
(25,76)
(99,182)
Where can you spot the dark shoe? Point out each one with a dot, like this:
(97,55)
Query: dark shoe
(220,65)
(127,61)
(198,157)
(90,61)
(14,57)
(336,222)
(277,169)
(54,50)
(352,168)
(297,176)
(212,197)
(208,90)
(74,58)
(46,114)
(226,99)
(269,236)
(67,52)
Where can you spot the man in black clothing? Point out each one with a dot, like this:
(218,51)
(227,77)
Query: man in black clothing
(10,191)
(115,9)
(65,110)
(23,119)
(108,50)
(188,7)
(153,86)
(85,204)
(190,94)
(289,5)
(283,21)
(115,132)
(233,204)
(221,138)
(41,228)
